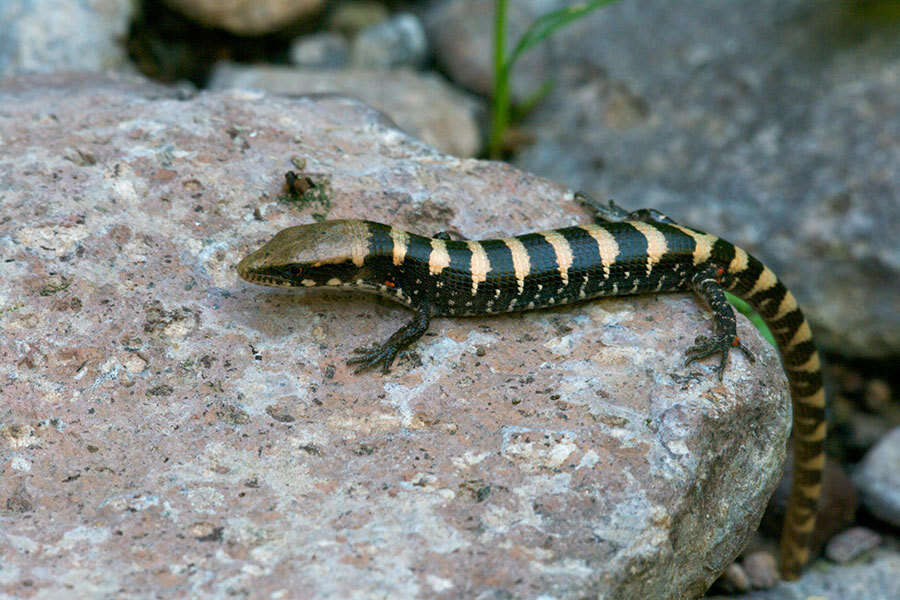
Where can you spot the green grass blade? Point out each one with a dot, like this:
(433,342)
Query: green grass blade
(540,29)
(500,101)
(745,309)
(519,111)
(547,24)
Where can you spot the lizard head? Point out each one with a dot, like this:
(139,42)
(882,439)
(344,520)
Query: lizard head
(330,253)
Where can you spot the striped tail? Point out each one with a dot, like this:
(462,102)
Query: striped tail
(758,286)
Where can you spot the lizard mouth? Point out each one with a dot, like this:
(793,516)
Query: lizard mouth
(272,276)
(267,280)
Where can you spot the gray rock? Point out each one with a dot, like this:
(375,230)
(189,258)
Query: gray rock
(247,17)
(421,104)
(849,545)
(398,42)
(875,579)
(865,430)
(878,478)
(176,428)
(774,123)
(323,50)
(45,36)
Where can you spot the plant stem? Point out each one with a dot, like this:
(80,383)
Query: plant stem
(500,105)
(542,28)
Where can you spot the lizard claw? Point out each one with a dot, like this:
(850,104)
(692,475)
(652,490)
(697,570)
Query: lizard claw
(370,356)
(704,347)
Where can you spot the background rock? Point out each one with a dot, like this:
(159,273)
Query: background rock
(875,579)
(423,105)
(43,36)
(247,17)
(762,570)
(733,580)
(849,545)
(398,42)
(351,17)
(170,429)
(878,479)
(462,34)
(323,50)
(773,123)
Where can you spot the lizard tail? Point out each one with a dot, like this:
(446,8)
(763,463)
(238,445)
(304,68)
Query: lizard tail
(761,288)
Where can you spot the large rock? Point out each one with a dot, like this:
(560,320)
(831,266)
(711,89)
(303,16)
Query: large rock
(773,122)
(423,105)
(45,36)
(169,429)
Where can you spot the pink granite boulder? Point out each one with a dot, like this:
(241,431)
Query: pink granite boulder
(168,429)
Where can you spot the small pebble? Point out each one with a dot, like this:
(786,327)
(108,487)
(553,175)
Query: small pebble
(761,569)
(850,381)
(205,531)
(877,395)
(733,579)
(850,544)
(279,413)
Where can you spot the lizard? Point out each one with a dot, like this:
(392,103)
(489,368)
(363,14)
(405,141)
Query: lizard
(621,253)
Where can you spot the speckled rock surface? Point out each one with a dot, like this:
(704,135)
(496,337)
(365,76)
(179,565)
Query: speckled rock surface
(167,429)
(45,36)
(775,123)
(422,105)
(247,17)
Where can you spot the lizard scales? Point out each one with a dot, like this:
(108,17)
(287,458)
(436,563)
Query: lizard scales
(622,253)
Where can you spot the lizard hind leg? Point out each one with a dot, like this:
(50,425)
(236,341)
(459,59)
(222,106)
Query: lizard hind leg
(385,353)
(608,212)
(613,213)
(705,284)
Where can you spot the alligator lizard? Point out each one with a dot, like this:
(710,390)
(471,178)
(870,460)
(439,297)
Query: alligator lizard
(622,253)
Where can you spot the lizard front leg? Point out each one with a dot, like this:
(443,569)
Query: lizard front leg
(385,353)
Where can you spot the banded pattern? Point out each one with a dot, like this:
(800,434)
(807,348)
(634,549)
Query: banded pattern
(642,252)
(535,270)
